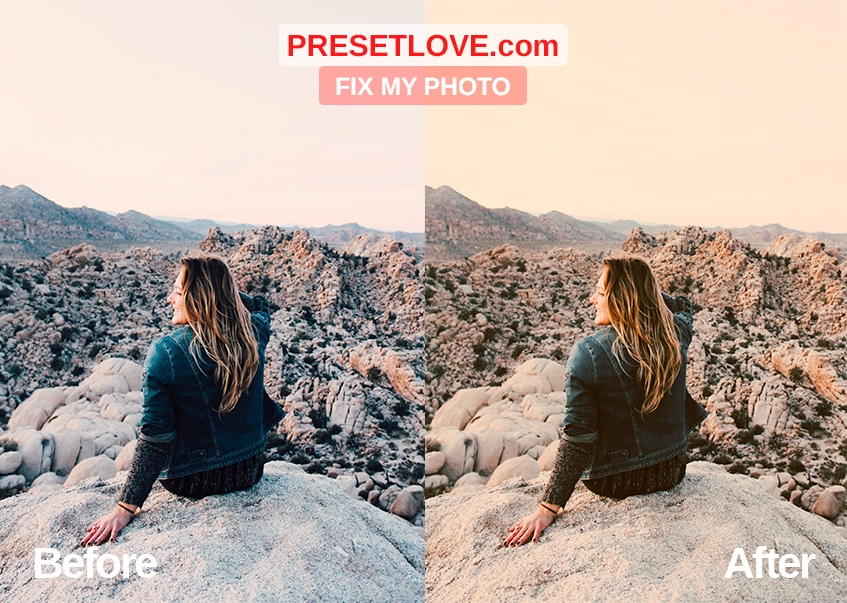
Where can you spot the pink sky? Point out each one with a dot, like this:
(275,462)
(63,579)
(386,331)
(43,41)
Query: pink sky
(182,109)
(720,113)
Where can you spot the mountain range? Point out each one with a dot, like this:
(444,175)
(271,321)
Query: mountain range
(457,227)
(32,226)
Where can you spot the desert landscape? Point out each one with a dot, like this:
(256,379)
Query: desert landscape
(345,358)
(345,361)
(767,362)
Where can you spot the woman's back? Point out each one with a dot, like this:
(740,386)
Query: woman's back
(605,401)
(183,399)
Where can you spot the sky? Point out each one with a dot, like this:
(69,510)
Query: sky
(182,109)
(719,113)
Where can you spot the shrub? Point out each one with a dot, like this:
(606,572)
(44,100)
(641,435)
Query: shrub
(795,465)
(740,418)
(811,426)
(433,446)
(824,408)
(744,436)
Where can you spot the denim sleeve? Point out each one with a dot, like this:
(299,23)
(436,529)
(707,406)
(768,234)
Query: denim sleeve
(580,422)
(682,312)
(260,312)
(158,421)
(256,305)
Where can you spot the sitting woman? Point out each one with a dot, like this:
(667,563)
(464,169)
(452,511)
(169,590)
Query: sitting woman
(205,412)
(625,430)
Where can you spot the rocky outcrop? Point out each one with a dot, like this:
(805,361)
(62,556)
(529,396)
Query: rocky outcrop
(668,546)
(767,359)
(345,357)
(292,537)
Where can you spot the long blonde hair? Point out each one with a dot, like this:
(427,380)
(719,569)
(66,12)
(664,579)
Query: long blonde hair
(221,325)
(643,324)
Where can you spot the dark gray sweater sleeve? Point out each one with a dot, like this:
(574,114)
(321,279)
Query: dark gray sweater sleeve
(571,459)
(147,462)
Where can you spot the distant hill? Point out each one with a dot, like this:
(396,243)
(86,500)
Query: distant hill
(32,226)
(458,227)
(339,236)
(202,226)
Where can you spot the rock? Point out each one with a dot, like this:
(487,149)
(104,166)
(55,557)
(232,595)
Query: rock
(840,493)
(347,551)
(124,459)
(537,376)
(521,466)
(674,545)
(459,450)
(116,407)
(433,462)
(46,482)
(404,505)
(115,375)
(36,409)
(491,449)
(47,479)
(548,458)
(67,447)
(97,466)
(436,483)
(348,484)
(770,483)
(36,449)
(10,461)
(11,484)
(469,482)
(387,497)
(461,408)
(827,505)
(810,496)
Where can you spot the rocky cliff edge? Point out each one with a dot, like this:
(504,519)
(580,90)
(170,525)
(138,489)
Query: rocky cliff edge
(292,537)
(669,546)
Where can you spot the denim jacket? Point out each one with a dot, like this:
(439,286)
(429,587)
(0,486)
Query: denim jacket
(181,398)
(603,402)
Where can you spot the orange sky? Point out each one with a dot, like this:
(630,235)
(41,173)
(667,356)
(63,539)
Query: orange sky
(711,113)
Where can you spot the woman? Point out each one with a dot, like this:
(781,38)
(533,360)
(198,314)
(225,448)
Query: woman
(205,412)
(625,417)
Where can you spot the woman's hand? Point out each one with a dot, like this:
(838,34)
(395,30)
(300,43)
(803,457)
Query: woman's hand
(107,527)
(530,526)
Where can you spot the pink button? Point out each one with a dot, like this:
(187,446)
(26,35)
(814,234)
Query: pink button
(422,85)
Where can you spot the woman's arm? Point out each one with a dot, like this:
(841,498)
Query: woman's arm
(579,432)
(571,459)
(157,431)
(147,462)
